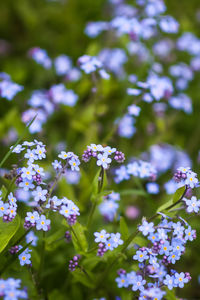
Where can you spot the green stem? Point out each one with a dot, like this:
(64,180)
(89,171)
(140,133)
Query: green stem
(42,256)
(95,202)
(74,233)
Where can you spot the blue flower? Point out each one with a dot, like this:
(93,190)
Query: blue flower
(42,223)
(190,234)
(165,248)
(65,155)
(27,173)
(139,283)
(39,194)
(110,245)
(101,237)
(103,160)
(141,256)
(174,256)
(121,174)
(178,229)
(169,282)
(3,208)
(40,151)
(146,228)
(30,155)
(152,188)
(131,277)
(122,281)
(65,211)
(12,200)
(57,164)
(31,237)
(192,205)
(74,163)
(17,149)
(191,179)
(26,185)
(116,241)
(24,257)
(32,217)
(180,279)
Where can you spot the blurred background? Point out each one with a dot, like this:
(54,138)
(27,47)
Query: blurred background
(58,27)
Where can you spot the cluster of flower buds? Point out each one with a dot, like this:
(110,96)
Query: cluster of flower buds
(102,154)
(68,237)
(187,177)
(73,263)
(14,249)
(101,249)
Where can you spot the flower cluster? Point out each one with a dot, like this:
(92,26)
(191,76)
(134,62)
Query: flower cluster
(108,208)
(107,241)
(62,63)
(44,103)
(73,263)
(65,207)
(8,209)
(186,176)
(167,242)
(70,159)
(10,289)
(102,154)
(33,219)
(8,89)
(141,169)
(28,177)
(91,64)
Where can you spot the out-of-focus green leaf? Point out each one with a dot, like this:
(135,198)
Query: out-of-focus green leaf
(78,238)
(124,228)
(86,280)
(133,192)
(170,295)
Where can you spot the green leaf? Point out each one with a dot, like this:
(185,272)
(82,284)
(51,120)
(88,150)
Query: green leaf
(80,276)
(124,228)
(178,194)
(170,295)
(91,262)
(52,241)
(4,191)
(165,205)
(7,230)
(133,192)
(78,238)
(95,185)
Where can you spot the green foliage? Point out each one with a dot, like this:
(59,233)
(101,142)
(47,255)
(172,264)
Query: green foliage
(7,231)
